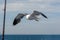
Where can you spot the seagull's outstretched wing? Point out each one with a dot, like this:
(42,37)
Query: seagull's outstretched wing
(38,13)
(18,19)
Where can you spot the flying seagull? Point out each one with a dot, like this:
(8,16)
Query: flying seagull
(32,16)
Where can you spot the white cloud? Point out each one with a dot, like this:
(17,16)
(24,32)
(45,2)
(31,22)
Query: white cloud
(21,7)
(35,0)
(45,1)
(14,6)
(40,5)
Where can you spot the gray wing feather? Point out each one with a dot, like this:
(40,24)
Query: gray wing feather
(18,19)
(38,13)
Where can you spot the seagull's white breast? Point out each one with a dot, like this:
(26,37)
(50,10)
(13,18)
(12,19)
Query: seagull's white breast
(27,16)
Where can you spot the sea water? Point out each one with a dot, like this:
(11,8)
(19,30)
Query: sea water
(31,37)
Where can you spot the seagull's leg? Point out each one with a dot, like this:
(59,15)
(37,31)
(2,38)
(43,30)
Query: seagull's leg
(36,20)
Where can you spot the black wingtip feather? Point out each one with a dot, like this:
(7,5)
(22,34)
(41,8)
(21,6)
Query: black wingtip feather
(15,22)
(44,15)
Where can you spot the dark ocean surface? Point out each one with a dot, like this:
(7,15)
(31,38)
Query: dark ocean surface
(31,37)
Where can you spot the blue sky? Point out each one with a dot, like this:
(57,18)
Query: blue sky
(51,8)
